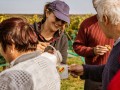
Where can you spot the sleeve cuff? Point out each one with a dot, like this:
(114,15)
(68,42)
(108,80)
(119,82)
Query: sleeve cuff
(86,72)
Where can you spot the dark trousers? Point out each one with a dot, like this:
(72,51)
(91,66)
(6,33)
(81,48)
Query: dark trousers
(92,85)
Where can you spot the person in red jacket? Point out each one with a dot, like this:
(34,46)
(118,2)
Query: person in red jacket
(91,43)
(115,82)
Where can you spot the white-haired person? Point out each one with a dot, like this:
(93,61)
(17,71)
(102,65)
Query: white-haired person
(28,69)
(108,14)
(91,43)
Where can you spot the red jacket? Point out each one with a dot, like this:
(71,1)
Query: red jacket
(90,35)
(115,82)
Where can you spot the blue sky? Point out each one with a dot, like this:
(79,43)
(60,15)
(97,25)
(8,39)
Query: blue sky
(36,6)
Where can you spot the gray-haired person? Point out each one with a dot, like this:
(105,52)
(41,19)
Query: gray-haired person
(109,19)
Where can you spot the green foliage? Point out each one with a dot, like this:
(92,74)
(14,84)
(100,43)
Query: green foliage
(72,84)
(2,60)
(75,60)
(34,18)
(3,17)
(74,26)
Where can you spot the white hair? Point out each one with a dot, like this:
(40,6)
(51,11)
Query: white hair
(110,8)
(95,3)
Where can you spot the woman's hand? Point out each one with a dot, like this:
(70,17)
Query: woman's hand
(42,45)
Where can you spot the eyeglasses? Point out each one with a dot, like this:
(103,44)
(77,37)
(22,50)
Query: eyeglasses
(57,19)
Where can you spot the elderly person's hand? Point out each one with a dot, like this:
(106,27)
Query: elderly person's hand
(76,70)
(100,50)
(42,45)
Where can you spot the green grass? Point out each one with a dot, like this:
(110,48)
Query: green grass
(73,83)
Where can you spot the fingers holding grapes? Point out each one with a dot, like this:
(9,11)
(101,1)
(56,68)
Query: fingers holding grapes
(101,50)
